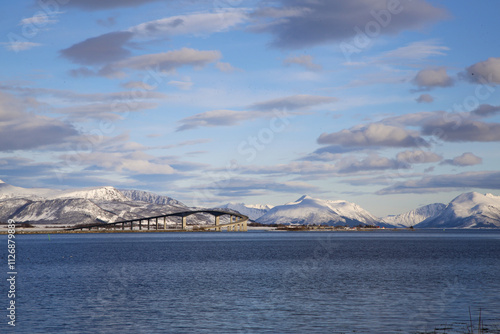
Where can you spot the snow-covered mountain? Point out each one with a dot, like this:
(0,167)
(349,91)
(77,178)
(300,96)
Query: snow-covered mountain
(81,206)
(469,210)
(253,212)
(308,210)
(414,217)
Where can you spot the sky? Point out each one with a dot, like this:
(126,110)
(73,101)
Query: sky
(388,104)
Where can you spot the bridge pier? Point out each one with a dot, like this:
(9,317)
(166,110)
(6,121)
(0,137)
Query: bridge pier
(165,223)
(217,223)
(157,223)
(184,224)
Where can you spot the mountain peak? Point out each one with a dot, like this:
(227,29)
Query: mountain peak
(474,197)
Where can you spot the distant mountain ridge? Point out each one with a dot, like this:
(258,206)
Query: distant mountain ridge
(253,212)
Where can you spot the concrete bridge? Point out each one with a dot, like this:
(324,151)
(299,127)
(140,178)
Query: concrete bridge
(237,222)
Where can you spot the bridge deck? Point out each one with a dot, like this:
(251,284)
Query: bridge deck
(237,225)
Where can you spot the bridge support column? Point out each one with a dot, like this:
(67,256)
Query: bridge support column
(140,224)
(217,222)
(123,226)
(148,223)
(165,223)
(184,218)
(157,223)
(131,225)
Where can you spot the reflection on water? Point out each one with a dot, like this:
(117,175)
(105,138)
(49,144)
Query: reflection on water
(258,282)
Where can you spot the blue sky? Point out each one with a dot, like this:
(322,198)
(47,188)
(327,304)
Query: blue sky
(388,104)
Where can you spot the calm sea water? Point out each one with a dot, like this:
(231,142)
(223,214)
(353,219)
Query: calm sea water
(256,282)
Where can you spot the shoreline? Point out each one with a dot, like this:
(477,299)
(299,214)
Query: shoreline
(51,229)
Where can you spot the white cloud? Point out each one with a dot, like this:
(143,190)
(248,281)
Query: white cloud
(418,156)
(433,77)
(372,135)
(425,98)
(487,71)
(466,159)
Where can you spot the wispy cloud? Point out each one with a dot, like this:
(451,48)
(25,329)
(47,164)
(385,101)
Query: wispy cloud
(446,182)
(20,45)
(164,62)
(293,102)
(264,109)
(416,51)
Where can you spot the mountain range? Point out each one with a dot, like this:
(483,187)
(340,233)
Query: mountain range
(81,206)
(108,204)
